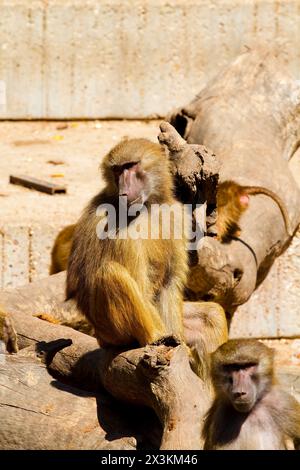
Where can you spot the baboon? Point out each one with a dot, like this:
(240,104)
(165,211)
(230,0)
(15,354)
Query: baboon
(249,412)
(142,279)
(130,289)
(61,249)
(233,200)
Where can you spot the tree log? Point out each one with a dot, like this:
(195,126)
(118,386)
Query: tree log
(157,376)
(249,116)
(38,412)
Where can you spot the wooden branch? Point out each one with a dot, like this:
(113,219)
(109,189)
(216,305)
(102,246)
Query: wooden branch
(38,185)
(158,377)
(43,298)
(195,168)
(250,119)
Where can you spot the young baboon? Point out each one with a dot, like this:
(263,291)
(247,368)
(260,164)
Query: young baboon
(61,249)
(250,412)
(130,289)
(233,200)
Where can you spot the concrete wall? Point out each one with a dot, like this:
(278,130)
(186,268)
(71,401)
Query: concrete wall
(274,308)
(128,58)
(25,253)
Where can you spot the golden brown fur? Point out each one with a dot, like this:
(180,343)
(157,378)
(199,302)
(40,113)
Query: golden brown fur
(205,329)
(61,249)
(130,290)
(250,412)
(233,200)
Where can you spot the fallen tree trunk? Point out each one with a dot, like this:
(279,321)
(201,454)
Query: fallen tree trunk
(157,376)
(37,412)
(249,116)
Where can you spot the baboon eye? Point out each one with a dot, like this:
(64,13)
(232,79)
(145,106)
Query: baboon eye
(117,169)
(128,165)
(230,380)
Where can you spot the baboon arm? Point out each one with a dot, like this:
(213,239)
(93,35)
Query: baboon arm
(119,313)
(295,422)
(286,412)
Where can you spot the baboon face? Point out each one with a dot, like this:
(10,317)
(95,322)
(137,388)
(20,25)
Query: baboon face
(240,385)
(132,182)
(138,170)
(242,372)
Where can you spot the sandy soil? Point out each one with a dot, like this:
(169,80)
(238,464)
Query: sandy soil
(32,148)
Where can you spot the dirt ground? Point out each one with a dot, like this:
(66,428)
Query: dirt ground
(69,156)
(70,153)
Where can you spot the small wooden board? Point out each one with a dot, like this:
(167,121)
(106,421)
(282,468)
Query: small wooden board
(39,185)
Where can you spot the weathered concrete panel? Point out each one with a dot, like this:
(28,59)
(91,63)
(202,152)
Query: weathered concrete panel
(274,308)
(289,291)
(42,239)
(15,263)
(128,58)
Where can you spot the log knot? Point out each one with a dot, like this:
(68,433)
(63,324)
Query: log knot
(195,168)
